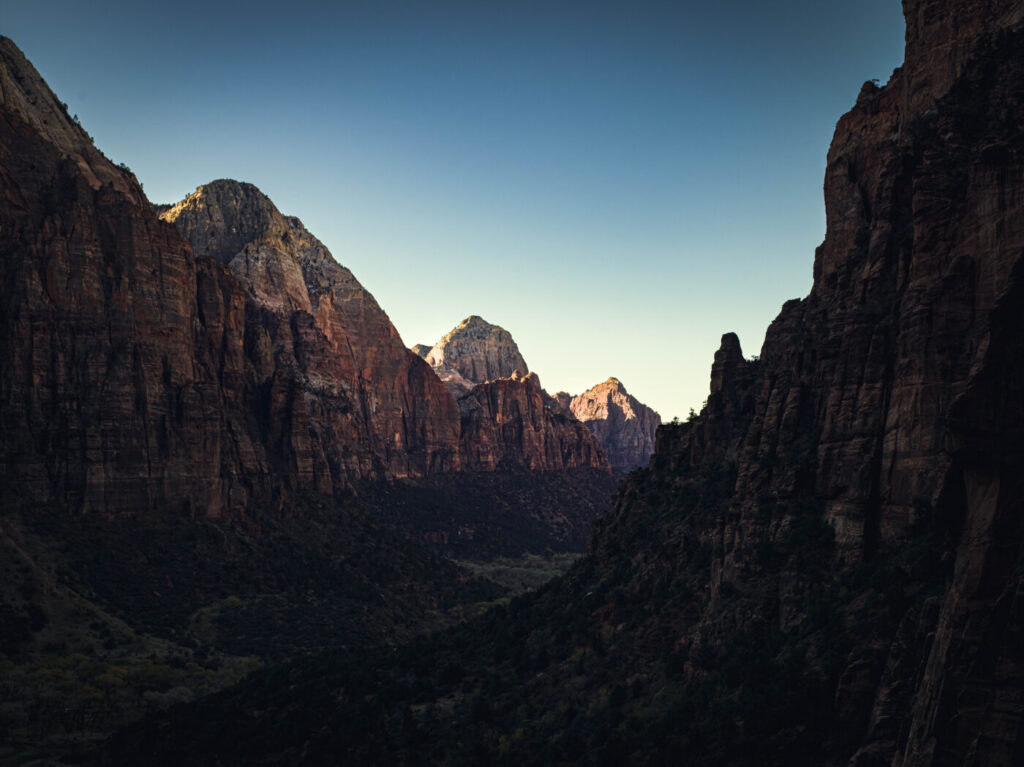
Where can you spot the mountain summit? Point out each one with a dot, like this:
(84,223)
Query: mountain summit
(624,425)
(309,315)
(473,352)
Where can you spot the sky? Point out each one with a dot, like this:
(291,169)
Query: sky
(617,184)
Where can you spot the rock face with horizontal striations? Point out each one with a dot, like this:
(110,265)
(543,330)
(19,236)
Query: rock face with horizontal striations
(123,354)
(141,374)
(886,406)
(624,426)
(508,423)
(508,420)
(474,352)
(377,408)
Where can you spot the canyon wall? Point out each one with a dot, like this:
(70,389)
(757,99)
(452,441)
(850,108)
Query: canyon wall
(197,366)
(624,425)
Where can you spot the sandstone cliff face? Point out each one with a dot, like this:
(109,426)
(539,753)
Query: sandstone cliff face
(875,399)
(508,420)
(624,426)
(142,373)
(138,375)
(508,423)
(375,407)
(474,352)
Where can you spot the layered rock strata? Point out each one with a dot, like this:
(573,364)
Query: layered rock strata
(508,420)
(473,352)
(624,426)
(508,423)
(111,331)
(139,374)
(376,406)
(147,371)
(289,274)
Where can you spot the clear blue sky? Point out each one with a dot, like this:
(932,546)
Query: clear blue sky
(617,184)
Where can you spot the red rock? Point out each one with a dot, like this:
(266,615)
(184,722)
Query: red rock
(138,376)
(624,426)
(507,423)
(375,407)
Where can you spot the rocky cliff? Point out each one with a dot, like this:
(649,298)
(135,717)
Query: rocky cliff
(111,332)
(373,406)
(289,277)
(826,566)
(507,419)
(508,423)
(139,375)
(142,373)
(473,352)
(145,375)
(624,426)
(856,416)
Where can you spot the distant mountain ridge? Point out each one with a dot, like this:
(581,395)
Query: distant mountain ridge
(476,352)
(623,424)
(398,410)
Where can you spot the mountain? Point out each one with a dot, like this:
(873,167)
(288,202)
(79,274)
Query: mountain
(371,407)
(624,426)
(825,566)
(143,375)
(508,421)
(389,414)
(476,351)
(185,428)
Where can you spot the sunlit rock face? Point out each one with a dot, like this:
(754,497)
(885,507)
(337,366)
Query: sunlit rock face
(140,372)
(624,426)
(376,408)
(508,420)
(473,352)
(509,423)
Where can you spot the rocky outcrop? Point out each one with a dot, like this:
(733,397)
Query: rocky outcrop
(624,426)
(288,273)
(474,352)
(377,408)
(147,371)
(508,420)
(562,401)
(507,423)
(139,375)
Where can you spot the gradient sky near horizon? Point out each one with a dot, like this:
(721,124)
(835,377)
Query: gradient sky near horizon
(617,184)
